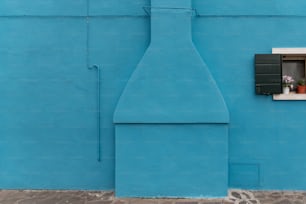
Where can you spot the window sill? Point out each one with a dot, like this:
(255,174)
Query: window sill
(292,96)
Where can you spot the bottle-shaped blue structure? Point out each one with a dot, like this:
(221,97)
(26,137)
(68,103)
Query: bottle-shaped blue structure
(171,119)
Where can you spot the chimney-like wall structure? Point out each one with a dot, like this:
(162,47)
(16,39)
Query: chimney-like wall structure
(171,119)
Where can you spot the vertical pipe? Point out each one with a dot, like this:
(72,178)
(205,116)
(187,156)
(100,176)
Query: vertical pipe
(98,86)
(99,115)
(98,110)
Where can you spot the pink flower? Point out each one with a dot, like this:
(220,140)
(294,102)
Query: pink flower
(287,81)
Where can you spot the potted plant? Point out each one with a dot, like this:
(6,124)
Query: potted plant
(287,83)
(301,88)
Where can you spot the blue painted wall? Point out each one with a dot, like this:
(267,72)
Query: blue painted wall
(266,137)
(48,107)
(171,160)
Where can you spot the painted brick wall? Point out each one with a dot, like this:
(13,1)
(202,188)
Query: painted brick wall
(48,108)
(264,134)
(171,160)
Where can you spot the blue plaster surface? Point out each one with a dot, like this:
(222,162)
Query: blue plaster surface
(262,132)
(250,7)
(48,124)
(118,7)
(171,160)
(171,3)
(43,8)
(47,106)
(171,83)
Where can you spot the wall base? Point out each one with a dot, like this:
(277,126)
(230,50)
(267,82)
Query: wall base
(175,160)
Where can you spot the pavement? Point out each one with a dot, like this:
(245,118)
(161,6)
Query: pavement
(107,197)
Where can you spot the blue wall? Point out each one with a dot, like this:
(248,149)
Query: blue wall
(171,160)
(48,108)
(266,137)
(48,133)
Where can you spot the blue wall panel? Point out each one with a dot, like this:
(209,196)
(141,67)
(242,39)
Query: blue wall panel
(43,8)
(48,123)
(118,7)
(176,160)
(250,7)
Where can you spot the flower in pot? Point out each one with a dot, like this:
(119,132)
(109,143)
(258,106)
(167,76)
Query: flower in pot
(287,83)
(301,88)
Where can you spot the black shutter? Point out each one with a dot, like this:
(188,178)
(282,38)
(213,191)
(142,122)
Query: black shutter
(268,74)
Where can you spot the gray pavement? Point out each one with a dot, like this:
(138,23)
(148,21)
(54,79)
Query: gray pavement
(107,197)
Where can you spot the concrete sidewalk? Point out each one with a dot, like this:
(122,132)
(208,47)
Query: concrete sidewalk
(107,197)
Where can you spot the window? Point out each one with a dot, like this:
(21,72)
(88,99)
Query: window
(294,65)
(270,69)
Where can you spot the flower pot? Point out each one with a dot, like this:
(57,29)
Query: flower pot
(286,90)
(301,89)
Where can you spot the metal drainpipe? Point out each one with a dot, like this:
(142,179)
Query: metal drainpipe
(98,111)
(98,86)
